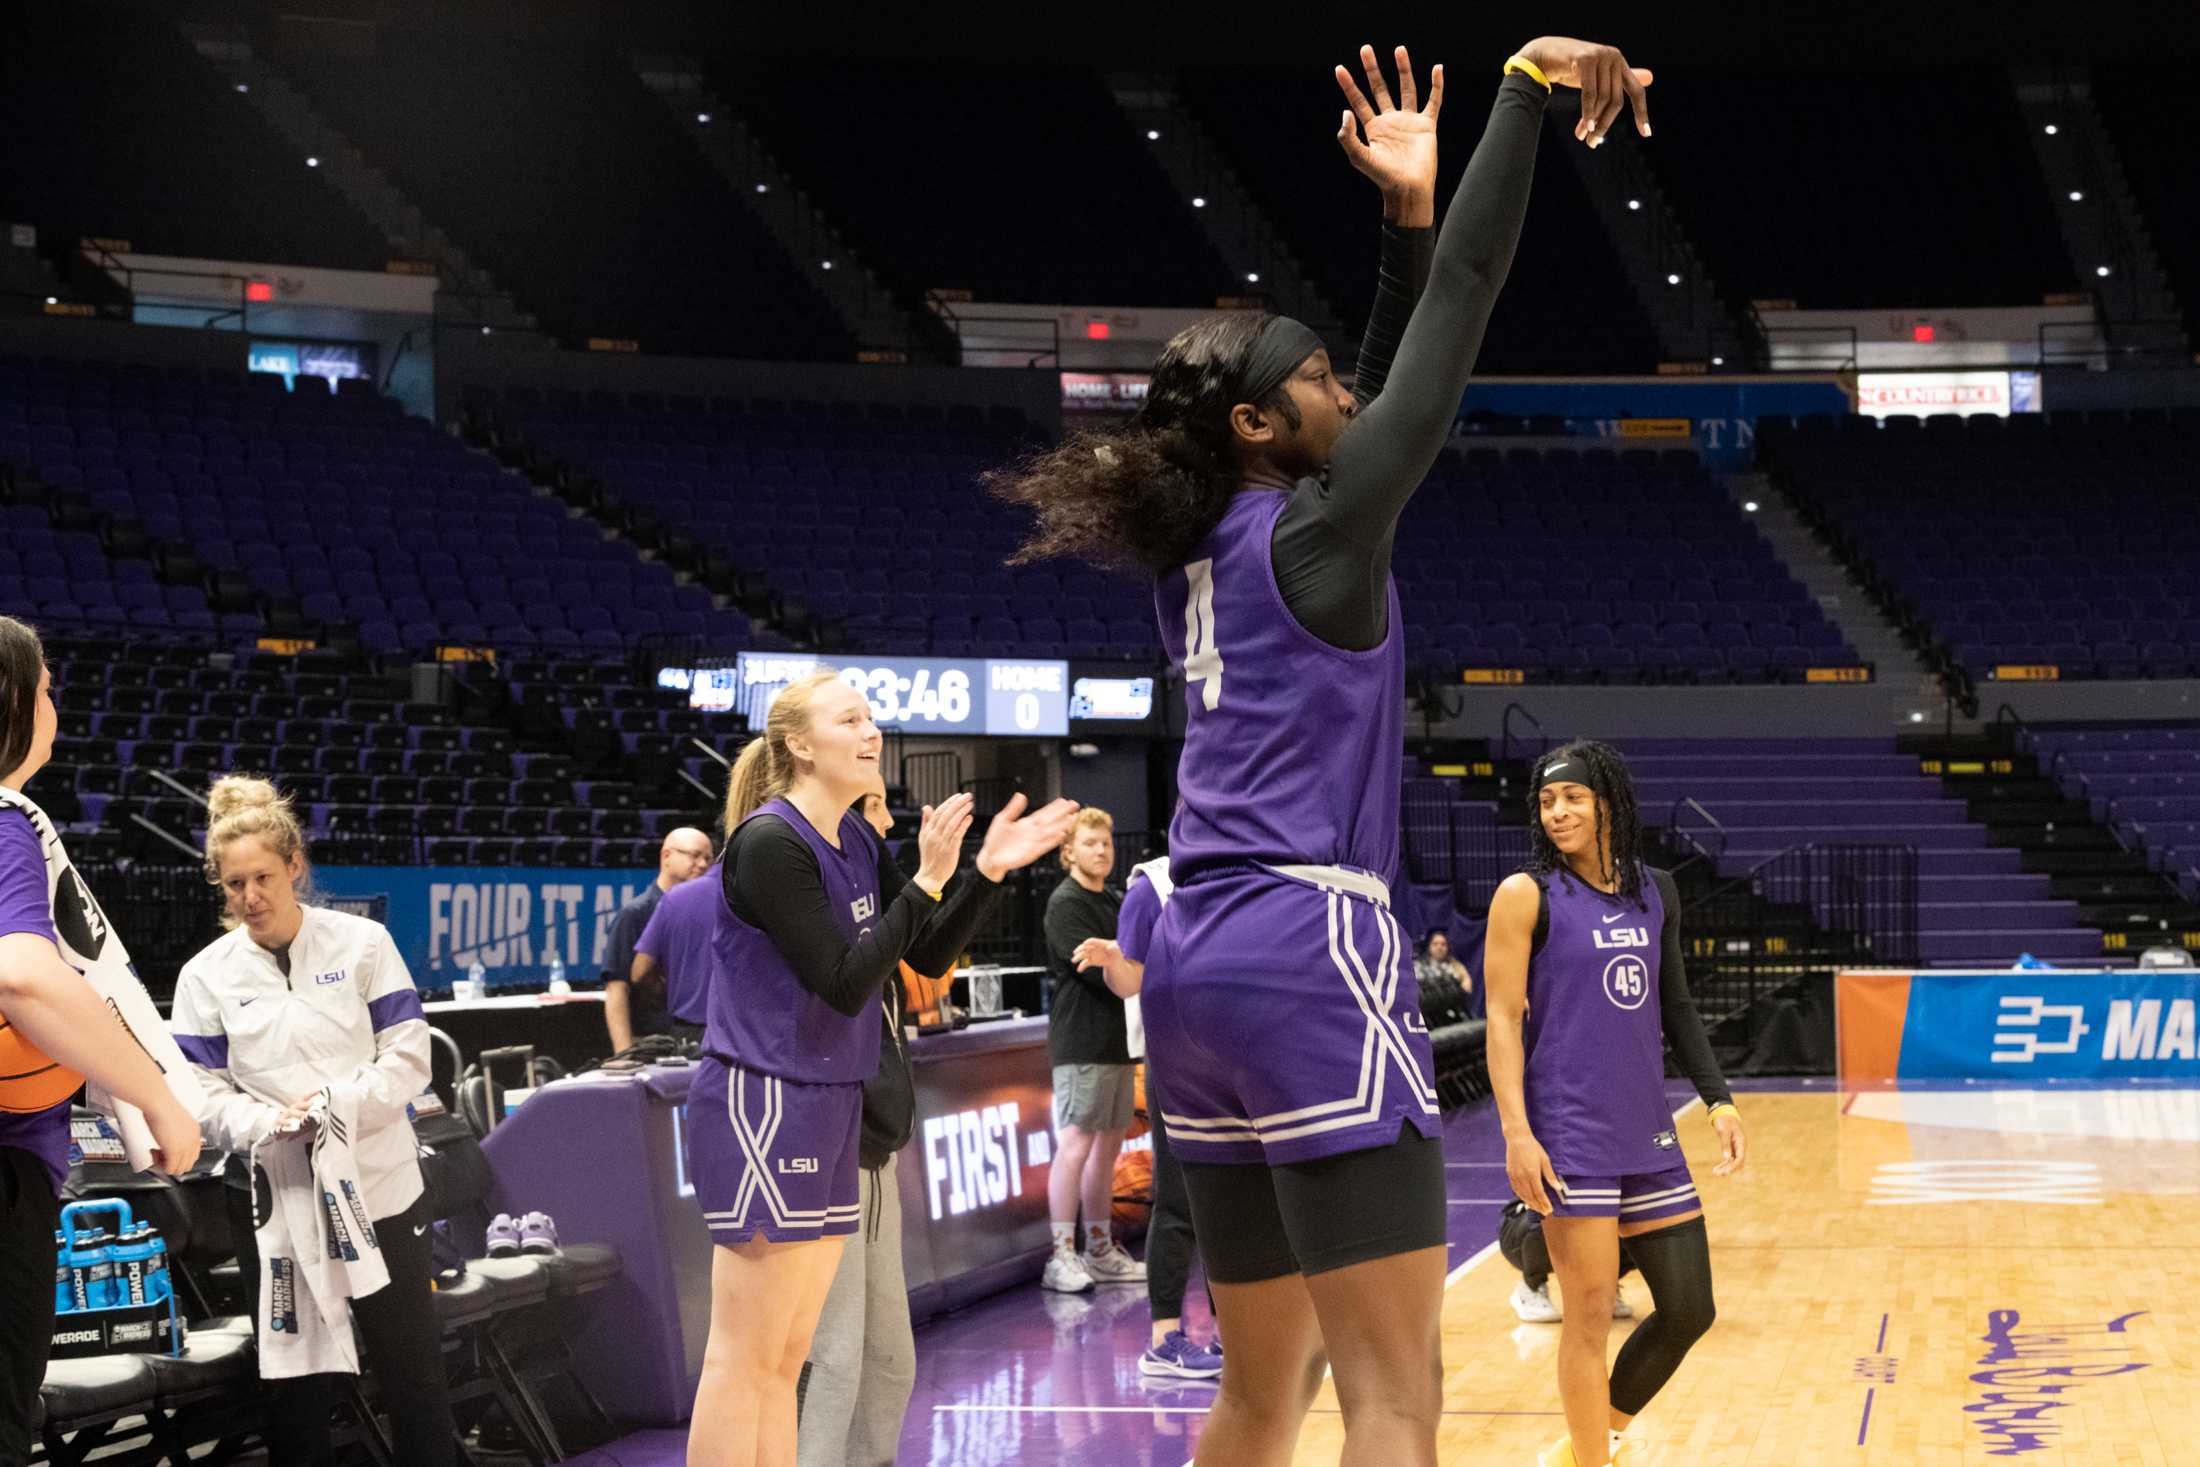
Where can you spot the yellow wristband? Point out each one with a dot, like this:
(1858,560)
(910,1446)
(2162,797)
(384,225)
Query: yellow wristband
(1529,68)
(1724,1105)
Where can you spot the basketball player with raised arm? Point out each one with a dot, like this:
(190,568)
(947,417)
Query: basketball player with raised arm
(1261,498)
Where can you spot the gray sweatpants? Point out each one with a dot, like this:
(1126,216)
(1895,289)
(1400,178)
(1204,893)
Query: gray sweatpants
(863,1358)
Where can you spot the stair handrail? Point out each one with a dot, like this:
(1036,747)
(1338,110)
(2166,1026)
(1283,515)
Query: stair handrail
(1505,727)
(1673,823)
(1750,878)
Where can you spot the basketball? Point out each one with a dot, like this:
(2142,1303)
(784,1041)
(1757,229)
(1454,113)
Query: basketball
(29,1081)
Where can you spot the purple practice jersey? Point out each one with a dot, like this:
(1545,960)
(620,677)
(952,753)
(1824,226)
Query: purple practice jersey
(1595,1077)
(1292,748)
(678,939)
(761,1016)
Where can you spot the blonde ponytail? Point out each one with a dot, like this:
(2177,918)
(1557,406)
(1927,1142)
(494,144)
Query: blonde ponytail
(765,769)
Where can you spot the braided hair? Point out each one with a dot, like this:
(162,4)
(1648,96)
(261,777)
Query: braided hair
(1619,822)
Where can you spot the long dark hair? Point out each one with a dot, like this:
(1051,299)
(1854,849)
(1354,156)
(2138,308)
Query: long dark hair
(1141,496)
(22,662)
(1619,823)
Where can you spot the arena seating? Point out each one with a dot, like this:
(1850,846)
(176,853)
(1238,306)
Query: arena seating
(2139,119)
(1595,566)
(1898,190)
(1026,186)
(1966,528)
(869,519)
(1567,306)
(628,234)
(360,521)
(2144,783)
(140,139)
(1976,903)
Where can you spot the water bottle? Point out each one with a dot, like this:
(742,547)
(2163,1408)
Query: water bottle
(985,990)
(141,1266)
(64,1291)
(557,974)
(477,979)
(91,1271)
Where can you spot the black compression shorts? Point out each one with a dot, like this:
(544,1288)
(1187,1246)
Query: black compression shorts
(1259,1222)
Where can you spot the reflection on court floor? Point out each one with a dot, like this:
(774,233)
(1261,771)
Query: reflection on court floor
(1906,1278)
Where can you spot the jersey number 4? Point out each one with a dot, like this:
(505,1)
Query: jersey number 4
(1202,656)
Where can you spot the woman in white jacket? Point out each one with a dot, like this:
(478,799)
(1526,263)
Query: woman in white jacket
(300,1019)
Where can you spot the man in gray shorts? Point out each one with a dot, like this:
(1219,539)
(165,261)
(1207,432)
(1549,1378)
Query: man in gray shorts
(1094,1078)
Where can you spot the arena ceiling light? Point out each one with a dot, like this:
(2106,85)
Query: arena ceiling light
(1634,204)
(1672,280)
(2051,129)
(2101,270)
(702,117)
(1252,277)
(1153,135)
(313,162)
(2077,196)
(1198,202)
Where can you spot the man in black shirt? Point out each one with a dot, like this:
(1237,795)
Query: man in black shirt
(1093,1074)
(631,1009)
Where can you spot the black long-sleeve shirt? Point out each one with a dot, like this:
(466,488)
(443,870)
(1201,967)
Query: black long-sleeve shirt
(772,882)
(1331,547)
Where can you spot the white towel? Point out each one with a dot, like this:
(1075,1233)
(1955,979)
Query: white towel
(318,1249)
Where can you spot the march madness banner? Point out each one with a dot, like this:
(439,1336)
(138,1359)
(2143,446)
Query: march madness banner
(2019,1027)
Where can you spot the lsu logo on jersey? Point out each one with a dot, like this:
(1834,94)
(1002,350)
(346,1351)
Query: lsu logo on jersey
(864,907)
(798,1165)
(1621,937)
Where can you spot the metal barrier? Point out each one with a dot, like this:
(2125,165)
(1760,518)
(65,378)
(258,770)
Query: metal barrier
(165,912)
(1800,914)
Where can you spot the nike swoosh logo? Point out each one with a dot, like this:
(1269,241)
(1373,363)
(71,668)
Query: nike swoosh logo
(248,1003)
(1608,921)
(420,1230)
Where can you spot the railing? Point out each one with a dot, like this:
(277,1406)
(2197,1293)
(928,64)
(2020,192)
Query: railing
(1684,805)
(1807,910)
(1466,846)
(1002,341)
(1794,348)
(1506,728)
(930,778)
(165,911)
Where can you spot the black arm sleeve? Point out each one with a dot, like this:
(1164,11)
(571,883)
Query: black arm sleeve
(772,882)
(1677,1011)
(961,911)
(1331,549)
(1399,282)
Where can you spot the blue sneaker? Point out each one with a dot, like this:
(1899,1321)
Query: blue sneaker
(503,1236)
(1178,1356)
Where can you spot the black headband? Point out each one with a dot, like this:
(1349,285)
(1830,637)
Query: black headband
(1282,346)
(1561,769)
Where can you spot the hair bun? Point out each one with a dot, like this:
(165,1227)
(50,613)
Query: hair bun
(235,793)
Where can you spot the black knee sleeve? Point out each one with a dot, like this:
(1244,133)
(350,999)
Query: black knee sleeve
(1676,1263)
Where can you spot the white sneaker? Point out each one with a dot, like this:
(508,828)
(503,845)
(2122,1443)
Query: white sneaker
(1109,1264)
(1621,1309)
(1534,1306)
(1066,1274)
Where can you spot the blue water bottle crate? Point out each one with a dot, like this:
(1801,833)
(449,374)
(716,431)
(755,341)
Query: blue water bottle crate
(112,1293)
